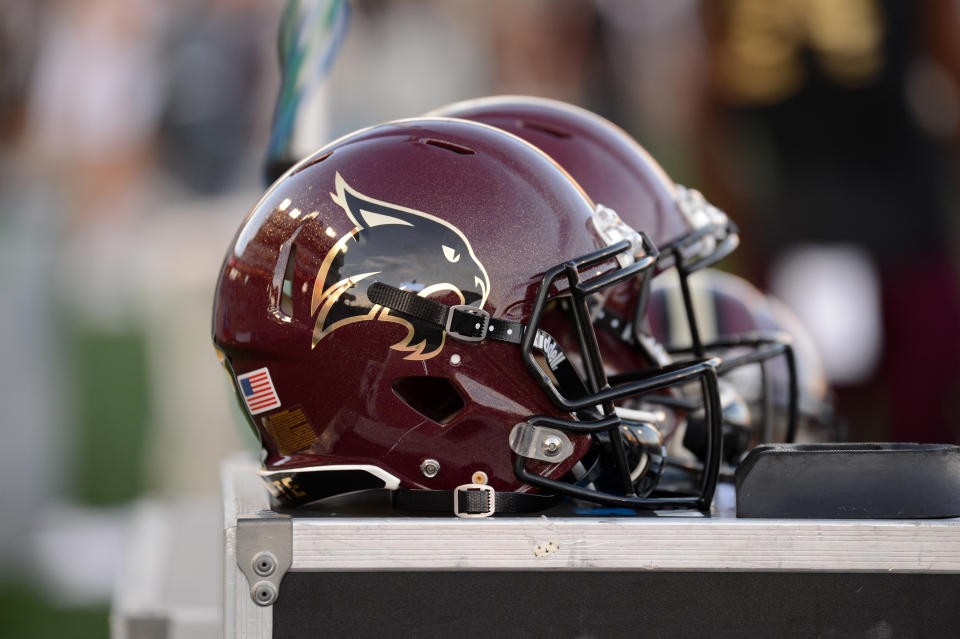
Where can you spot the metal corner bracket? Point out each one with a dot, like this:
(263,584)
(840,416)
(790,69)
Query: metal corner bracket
(264,553)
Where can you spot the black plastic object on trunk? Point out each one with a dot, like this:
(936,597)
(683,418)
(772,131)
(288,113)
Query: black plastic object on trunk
(850,481)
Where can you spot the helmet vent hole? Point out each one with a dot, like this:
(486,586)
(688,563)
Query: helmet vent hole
(314,161)
(286,290)
(433,397)
(544,128)
(449,146)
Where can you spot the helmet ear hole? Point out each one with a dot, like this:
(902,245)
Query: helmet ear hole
(435,398)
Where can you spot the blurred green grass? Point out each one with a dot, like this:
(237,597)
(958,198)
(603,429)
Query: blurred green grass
(25,613)
(107,429)
(111,399)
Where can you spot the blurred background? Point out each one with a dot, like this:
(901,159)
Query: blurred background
(133,136)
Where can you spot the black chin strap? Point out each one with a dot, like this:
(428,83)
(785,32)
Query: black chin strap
(615,325)
(622,329)
(472,500)
(471,324)
(463,322)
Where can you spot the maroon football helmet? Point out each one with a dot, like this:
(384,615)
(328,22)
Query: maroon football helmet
(617,173)
(379,311)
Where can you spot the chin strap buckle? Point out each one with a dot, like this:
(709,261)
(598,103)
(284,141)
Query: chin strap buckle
(474,500)
(467,323)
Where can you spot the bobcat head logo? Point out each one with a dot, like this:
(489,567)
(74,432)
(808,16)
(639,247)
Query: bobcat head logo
(402,247)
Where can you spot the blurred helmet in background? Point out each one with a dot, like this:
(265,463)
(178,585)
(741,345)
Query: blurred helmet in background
(730,309)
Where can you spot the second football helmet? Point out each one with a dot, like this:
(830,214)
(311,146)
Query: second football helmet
(690,233)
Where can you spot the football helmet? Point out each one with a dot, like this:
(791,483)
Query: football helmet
(379,312)
(729,308)
(690,233)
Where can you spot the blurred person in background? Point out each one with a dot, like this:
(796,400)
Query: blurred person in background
(830,134)
(110,193)
(218,83)
(107,114)
(390,66)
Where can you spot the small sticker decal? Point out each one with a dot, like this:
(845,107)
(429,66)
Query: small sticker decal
(258,391)
(290,429)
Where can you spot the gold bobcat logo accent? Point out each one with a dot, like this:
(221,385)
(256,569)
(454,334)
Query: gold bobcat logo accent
(405,248)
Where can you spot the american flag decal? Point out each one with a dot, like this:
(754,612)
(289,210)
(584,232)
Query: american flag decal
(258,391)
